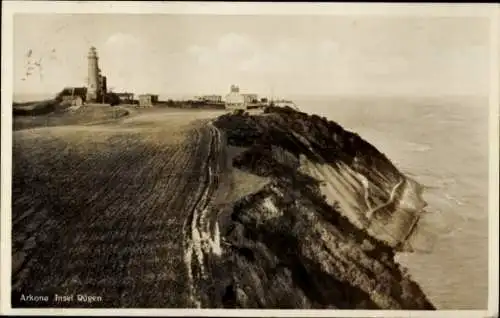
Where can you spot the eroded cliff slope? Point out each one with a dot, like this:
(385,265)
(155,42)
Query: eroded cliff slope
(321,228)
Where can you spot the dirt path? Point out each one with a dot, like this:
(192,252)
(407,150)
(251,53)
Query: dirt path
(366,185)
(100,210)
(201,230)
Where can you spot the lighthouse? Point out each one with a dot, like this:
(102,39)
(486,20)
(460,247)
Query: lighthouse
(93,89)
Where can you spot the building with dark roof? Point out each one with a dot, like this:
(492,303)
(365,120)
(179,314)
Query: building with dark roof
(211,98)
(74,96)
(125,98)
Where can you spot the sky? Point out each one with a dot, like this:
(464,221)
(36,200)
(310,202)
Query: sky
(186,54)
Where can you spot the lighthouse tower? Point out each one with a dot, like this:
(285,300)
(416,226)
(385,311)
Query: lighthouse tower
(93,88)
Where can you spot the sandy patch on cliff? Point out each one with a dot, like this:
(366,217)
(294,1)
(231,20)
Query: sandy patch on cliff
(352,192)
(241,183)
(338,186)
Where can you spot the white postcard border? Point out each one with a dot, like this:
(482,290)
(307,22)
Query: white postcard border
(492,11)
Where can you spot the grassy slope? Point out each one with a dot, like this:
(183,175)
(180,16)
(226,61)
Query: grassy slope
(59,117)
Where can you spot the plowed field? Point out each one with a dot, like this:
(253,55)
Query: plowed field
(99,210)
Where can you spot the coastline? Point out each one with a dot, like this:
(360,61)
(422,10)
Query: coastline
(315,209)
(396,225)
(410,201)
(411,196)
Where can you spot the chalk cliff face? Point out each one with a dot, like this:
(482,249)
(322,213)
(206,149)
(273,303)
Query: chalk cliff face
(321,230)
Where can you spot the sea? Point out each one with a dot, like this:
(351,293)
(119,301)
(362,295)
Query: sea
(442,143)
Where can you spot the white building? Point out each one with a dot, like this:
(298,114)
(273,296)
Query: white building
(235,100)
(250,98)
(148,100)
(211,98)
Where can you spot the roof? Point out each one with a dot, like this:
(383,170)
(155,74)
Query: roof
(146,95)
(124,94)
(75,91)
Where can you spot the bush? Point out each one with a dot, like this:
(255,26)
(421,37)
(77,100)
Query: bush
(112,99)
(239,112)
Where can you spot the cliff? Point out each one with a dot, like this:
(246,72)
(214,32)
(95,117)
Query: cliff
(321,227)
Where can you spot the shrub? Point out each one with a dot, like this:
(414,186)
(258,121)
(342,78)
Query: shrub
(239,112)
(112,99)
